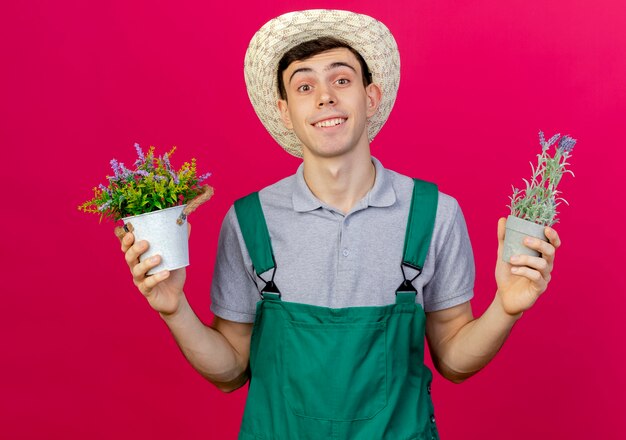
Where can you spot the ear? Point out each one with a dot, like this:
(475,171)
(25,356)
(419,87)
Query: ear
(283,108)
(374,95)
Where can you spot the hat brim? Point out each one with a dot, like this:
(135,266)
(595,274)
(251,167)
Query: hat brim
(365,34)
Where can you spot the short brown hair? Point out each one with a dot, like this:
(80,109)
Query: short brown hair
(311,48)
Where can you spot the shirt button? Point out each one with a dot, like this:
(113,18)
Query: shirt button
(346,252)
(428,389)
(432,418)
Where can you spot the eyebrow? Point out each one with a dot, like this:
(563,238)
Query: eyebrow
(334,65)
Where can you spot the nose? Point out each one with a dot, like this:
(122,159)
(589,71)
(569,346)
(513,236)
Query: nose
(326,97)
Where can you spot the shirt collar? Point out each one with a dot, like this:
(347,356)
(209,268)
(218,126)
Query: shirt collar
(382,193)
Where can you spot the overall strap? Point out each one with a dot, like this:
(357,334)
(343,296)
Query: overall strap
(419,230)
(256,237)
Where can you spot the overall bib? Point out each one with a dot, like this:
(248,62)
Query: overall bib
(343,373)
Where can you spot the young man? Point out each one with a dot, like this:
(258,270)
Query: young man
(315,260)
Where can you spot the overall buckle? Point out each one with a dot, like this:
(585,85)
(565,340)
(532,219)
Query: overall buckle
(407,284)
(270,286)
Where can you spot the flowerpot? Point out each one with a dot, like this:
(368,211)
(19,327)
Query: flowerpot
(516,230)
(165,237)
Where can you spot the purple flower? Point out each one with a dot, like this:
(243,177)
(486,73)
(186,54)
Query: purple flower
(142,173)
(124,172)
(204,177)
(141,158)
(104,189)
(105,206)
(159,178)
(116,168)
(542,139)
(553,139)
(566,144)
(166,161)
(174,177)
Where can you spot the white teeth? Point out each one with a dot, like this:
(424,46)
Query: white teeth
(330,122)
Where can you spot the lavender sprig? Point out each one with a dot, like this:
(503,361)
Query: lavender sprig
(166,161)
(141,158)
(125,172)
(117,172)
(566,144)
(104,189)
(204,177)
(105,206)
(174,177)
(539,200)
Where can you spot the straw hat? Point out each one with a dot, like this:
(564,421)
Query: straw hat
(366,35)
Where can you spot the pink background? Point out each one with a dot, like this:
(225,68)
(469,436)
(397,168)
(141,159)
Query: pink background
(83,356)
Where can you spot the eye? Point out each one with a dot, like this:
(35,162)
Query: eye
(304,88)
(343,81)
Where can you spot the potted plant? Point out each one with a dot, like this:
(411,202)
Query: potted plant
(535,207)
(153,200)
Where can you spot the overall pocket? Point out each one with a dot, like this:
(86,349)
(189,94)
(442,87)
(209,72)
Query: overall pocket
(335,371)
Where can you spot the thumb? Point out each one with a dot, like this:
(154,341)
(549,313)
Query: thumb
(501,232)
(119,232)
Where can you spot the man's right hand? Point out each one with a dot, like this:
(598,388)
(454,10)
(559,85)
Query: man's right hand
(219,353)
(164,289)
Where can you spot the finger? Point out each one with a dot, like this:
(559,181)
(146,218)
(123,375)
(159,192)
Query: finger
(127,240)
(553,236)
(132,255)
(188,229)
(139,270)
(150,282)
(539,264)
(119,232)
(541,246)
(501,232)
(501,229)
(534,276)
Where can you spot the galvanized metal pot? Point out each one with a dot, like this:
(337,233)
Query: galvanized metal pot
(165,236)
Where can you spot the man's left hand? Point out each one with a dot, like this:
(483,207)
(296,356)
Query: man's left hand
(522,281)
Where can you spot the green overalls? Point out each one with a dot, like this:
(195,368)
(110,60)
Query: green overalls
(347,373)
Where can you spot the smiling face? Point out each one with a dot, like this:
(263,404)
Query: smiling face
(327,104)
